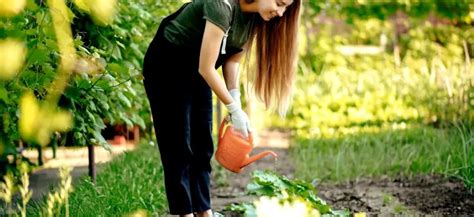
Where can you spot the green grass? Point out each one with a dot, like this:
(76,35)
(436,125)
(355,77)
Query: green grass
(419,150)
(132,181)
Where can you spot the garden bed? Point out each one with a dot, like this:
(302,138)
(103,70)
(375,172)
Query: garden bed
(416,195)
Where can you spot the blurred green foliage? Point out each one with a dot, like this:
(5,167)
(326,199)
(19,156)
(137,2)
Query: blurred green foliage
(382,9)
(111,91)
(420,71)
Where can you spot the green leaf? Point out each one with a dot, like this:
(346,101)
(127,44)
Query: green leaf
(79,138)
(39,56)
(118,68)
(31,5)
(73,93)
(138,120)
(50,43)
(4,95)
(116,53)
(104,84)
(83,84)
(92,106)
(124,99)
(105,106)
(99,137)
(125,119)
(259,190)
(99,123)
(6,123)
(120,44)
(91,118)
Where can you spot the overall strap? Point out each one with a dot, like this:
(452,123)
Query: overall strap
(166,20)
(226,33)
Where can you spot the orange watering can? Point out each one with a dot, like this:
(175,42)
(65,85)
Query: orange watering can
(233,150)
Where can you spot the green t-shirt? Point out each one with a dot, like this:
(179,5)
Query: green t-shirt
(187,29)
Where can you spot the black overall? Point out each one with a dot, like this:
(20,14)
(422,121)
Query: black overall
(181,105)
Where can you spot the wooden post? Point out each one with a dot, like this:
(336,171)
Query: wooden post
(92,172)
(40,155)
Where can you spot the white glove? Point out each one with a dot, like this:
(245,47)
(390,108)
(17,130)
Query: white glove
(239,119)
(235,93)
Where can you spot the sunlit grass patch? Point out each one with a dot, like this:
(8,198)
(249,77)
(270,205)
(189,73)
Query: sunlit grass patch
(131,182)
(392,152)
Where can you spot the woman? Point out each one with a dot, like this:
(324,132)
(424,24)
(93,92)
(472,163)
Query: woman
(180,72)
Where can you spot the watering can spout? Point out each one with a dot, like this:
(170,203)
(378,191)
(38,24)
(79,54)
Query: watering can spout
(257,157)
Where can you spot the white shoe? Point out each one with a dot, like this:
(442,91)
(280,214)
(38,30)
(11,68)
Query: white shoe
(216,214)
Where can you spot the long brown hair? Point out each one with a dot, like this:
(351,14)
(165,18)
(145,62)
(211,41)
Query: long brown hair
(276,52)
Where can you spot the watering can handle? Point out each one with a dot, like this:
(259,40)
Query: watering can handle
(223,127)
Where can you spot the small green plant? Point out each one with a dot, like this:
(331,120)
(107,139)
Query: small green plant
(399,209)
(466,136)
(60,198)
(55,202)
(387,199)
(25,192)
(7,189)
(272,186)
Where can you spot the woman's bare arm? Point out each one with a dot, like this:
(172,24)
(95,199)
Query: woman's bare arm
(230,69)
(210,49)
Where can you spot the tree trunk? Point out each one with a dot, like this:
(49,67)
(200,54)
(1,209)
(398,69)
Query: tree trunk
(92,172)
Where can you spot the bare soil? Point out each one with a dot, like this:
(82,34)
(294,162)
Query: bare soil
(417,195)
